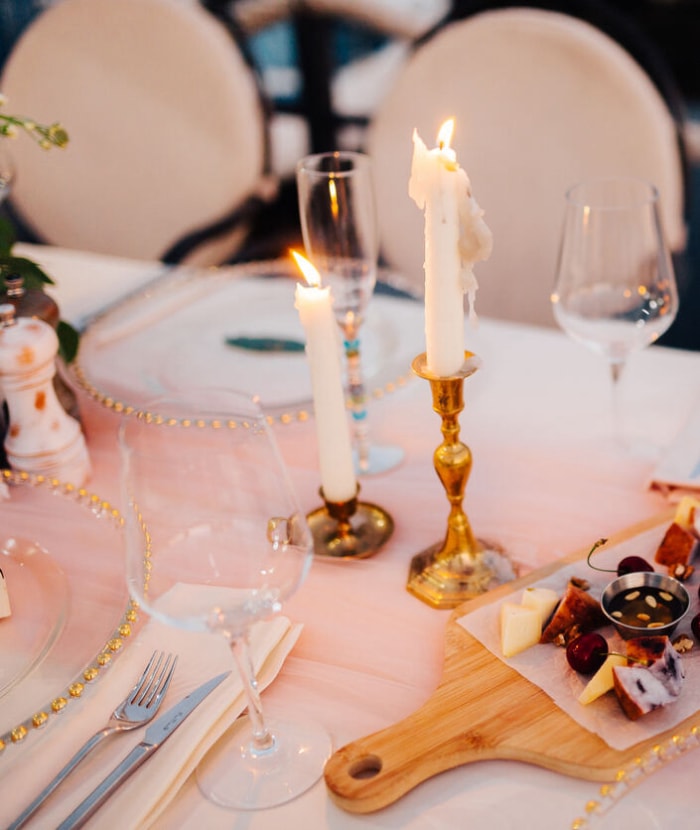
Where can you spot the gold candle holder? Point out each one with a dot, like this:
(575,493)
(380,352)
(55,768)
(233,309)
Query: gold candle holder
(350,529)
(461,567)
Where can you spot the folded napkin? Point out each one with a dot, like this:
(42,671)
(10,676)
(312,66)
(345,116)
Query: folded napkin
(678,472)
(25,769)
(87,283)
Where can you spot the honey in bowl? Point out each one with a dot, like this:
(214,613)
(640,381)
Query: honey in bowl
(644,603)
(645,607)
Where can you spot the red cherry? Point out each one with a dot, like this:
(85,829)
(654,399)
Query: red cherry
(587,652)
(695,626)
(628,565)
(632,564)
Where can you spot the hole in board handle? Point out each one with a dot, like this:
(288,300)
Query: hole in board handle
(366,767)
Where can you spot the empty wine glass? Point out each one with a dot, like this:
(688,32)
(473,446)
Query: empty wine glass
(615,288)
(215,541)
(339,226)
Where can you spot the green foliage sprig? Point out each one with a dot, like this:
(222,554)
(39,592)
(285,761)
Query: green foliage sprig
(46,136)
(34,277)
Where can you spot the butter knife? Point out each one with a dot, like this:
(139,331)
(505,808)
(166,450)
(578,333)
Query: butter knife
(155,736)
(266,344)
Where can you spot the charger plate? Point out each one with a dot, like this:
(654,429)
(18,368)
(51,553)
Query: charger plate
(485,709)
(64,631)
(173,336)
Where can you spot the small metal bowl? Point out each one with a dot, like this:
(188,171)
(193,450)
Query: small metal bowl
(624,604)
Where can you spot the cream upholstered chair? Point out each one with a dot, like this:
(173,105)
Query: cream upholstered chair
(168,135)
(541,100)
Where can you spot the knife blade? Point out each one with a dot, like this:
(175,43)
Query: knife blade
(156,734)
(266,344)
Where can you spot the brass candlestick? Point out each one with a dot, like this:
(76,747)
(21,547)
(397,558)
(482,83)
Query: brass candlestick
(349,529)
(461,567)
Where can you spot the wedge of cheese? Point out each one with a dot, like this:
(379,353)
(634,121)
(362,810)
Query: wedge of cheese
(545,600)
(686,512)
(520,628)
(602,681)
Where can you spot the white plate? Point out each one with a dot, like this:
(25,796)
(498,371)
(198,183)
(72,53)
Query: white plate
(39,606)
(173,336)
(64,630)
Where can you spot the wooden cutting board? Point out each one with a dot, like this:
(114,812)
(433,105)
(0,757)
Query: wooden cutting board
(481,710)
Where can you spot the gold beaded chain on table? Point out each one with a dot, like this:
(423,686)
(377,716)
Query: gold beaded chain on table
(114,644)
(634,773)
(282,267)
(300,415)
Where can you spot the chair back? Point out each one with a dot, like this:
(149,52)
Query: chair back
(541,100)
(167,129)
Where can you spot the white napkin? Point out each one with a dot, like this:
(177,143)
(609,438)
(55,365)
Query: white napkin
(26,768)
(678,472)
(87,283)
(547,668)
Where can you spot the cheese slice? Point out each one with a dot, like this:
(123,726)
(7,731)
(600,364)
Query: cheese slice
(602,681)
(686,512)
(520,628)
(545,600)
(5,609)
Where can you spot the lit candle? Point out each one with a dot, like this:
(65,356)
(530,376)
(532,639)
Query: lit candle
(456,236)
(322,350)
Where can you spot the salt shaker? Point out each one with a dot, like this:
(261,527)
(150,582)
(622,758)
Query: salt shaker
(41,436)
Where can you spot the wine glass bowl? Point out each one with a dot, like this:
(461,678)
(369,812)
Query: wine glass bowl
(615,287)
(339,228)
(215,541)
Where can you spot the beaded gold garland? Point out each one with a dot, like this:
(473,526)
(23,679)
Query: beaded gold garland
(282,267)
(114,643)
(284,418)
(628,777)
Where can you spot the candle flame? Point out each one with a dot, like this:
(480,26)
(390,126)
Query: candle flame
(333,193)
(445,134)
(311,275)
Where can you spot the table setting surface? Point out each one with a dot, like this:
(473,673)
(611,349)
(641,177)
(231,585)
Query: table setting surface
(547,481)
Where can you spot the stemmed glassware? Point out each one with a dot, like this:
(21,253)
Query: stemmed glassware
(615,287)
(215,541)
(339,227)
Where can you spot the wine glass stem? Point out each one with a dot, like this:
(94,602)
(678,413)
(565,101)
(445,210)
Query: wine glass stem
(263,740)
(358,397)
(616,367)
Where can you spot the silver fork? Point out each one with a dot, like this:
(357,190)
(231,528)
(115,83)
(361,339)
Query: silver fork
(137,708)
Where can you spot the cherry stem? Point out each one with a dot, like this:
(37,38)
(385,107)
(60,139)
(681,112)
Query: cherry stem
(631,659)
(598,544)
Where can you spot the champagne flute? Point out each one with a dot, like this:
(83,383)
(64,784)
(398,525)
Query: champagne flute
(339,227)
(215,541)
(615,288)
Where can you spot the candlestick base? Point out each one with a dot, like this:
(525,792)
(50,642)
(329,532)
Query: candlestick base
(350,529)
(445,580)
(461,567)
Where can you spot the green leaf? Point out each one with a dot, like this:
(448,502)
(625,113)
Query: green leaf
(34,276)
(7,236)
(68,341)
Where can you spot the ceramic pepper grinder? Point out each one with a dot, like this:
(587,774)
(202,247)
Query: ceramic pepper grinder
(32,302)
(41,436)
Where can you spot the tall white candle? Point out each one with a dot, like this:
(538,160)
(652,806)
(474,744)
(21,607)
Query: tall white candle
(456,236)
(322,350)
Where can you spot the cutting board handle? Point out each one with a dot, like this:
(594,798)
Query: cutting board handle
(377,770)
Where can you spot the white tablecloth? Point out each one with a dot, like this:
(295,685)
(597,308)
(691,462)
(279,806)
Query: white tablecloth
(547,480)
